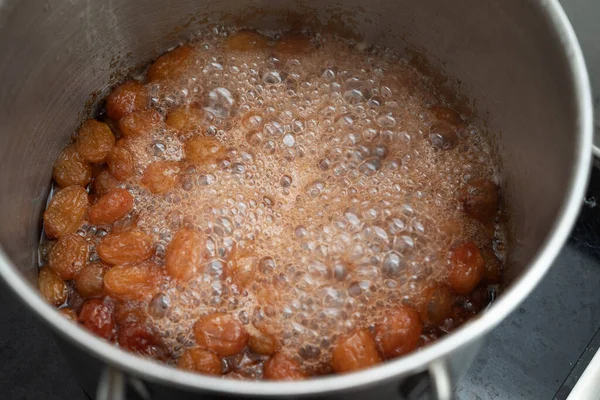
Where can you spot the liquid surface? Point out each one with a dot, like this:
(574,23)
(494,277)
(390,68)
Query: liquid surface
(327,193)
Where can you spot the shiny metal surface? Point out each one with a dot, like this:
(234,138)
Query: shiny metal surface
(519,61)
(583,14)
(588,386)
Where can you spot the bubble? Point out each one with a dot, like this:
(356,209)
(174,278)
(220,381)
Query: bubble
(340,271)
(354,289)
(353,96)
(375,102)
(300,231)
(205,180)
(352,139)
(386,121)
(345,121)
(297,126)
(215,268)
(315,189)
(254,138)
(252,121)
(309,351)
(223,226)
(386,92)
(158,148)
(328,74)
(273,128)
(243,317)
(285,181)
(175,314)
(269,147)
(443,136)
(289,140)
(380,151)
(395,225)
(238,168)
(370,167)
(393,265)
(220,103)
(271,78)
(159,305)
(404,242)
(267,266)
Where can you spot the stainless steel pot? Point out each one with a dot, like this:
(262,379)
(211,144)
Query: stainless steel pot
(518,59)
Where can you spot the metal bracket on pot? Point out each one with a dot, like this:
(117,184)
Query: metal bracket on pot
(113,386)
(434,384)
(441,380)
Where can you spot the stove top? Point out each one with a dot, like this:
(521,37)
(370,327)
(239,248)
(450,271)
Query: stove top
(539,352)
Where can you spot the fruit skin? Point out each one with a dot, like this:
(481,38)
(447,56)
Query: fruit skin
(186,119)
(70,168)
(399,332)
(66,212)
(220,333)
(171,65)
(68,313)
(436,305)
(120,163)
(354,352)
(140,123)
(126,98)
(282,368)
(161,176)
(90,281)
(125,247)
(133,282)
(184,255)
(446,114)
(51,287)
(201,151)
(480,200)
(103,183)
(293,43)
(111,207)
(467,268)
(94,141)
(261,342)
(68,256)
(200,360)
(246,40)
(242,268)
(97,317)
(139,339)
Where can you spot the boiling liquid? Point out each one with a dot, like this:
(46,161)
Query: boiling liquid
(331,181)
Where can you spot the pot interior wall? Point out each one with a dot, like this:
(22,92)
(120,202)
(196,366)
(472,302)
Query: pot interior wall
(508,60)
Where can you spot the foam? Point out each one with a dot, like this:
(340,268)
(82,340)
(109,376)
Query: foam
(330,182)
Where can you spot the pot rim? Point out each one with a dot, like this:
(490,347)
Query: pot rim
(395,369)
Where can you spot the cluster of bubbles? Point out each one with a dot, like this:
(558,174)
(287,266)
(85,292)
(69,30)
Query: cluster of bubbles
(329,182)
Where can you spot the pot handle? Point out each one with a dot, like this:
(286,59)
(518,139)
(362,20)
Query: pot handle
(113,384)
